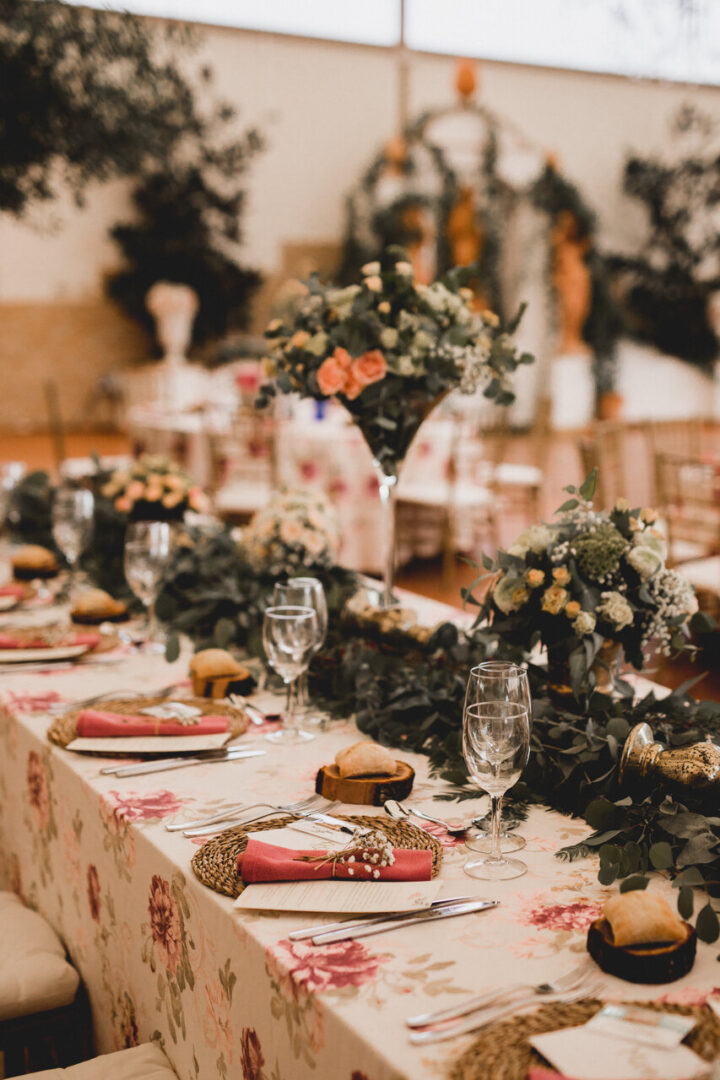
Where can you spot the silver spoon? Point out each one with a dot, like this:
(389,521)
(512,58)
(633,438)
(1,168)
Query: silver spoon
(399,812)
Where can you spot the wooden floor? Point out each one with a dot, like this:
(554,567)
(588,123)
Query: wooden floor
(422,576)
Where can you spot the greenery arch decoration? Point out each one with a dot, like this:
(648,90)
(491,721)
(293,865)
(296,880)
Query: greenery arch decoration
(370,226)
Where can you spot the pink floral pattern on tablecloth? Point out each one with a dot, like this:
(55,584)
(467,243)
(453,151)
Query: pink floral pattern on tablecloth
(164,924)
(38,789)
(575,915)
(252,1059)
(33,703)
(152,806)
(346,963)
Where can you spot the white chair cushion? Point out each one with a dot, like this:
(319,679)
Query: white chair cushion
(684,551)
(34,974)
(146,1062)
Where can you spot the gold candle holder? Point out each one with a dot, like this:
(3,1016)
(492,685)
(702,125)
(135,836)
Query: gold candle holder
(687,770)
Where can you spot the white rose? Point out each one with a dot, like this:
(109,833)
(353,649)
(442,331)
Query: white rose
(584,623)
(510,593)
(371,268)
(616,609)
(290,531)
(389,337)
(645,561)
(404,268)
(536,538)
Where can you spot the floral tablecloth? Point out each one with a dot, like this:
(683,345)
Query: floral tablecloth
(227,993)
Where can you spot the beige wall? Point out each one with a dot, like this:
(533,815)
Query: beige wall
(325,109)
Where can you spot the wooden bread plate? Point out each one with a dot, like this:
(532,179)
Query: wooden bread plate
(654,963)
(365,790)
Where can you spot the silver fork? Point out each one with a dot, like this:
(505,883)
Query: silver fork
(568,981)
(64,706)
(587,988)
(313,801)
(313,812)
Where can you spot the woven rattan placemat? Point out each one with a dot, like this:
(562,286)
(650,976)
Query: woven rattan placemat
(215,863)
(64,728)
(502,1051)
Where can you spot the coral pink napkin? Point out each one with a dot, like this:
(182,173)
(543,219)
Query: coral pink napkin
(269,862)
(7,641)
(95,724)
(13,590)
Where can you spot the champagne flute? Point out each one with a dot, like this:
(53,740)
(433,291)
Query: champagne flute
(497,680)
(72,523)
(306,592)
(496,747)
(289,636)
(148,548)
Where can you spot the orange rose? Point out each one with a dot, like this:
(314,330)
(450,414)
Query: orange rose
(331,377)
(370,367)
(343,358)
(353,386)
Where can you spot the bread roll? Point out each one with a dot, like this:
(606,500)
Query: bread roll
(215,674)
(96,606)
(641,918)
(34,561)
(365,759)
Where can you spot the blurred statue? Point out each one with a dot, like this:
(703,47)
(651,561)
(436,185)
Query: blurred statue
(572,282)
(174,308)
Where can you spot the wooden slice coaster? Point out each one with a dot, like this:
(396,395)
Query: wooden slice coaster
(64,728)
(365,790)
(503,1051)
(215,863)
(642,963)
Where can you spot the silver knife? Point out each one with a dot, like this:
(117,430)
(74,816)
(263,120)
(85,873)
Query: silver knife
(304,815)
(350,924)
(396,922)
(183,762)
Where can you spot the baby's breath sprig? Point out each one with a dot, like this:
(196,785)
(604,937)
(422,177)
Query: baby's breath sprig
(363,856)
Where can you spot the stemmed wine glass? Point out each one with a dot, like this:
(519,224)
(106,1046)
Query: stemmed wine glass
(148,548)
(306,592)
(289,636)
(496,747)
(498,680)
(72,524)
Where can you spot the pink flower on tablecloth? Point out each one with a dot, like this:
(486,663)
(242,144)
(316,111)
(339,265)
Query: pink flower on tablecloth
(33,703)
(441,835)
(251,1055)
(337,487)
(93,892)
(308,469)
(165,923)
(131,806)
(216,1020)
(577,915)
(347,963)
(38,791)
(371,485)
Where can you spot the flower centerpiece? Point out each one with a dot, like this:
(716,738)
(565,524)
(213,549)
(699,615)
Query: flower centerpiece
(154,489)
(585,586)
(296,531)
(388,349)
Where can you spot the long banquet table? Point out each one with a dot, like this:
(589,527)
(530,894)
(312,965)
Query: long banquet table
(228,994)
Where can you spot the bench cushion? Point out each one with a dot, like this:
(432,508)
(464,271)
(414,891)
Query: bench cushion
(146,1062)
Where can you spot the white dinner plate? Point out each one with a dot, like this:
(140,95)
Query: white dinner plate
(60,652)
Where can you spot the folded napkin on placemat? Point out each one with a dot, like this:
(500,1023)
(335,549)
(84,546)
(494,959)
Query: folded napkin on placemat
(37,641)
(12,589)
(95,724)
(268,862)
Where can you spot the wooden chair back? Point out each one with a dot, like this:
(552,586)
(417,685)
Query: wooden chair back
(689,501)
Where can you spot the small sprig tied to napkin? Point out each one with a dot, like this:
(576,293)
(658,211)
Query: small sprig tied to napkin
(365,859)
(39,640)
(98,724)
